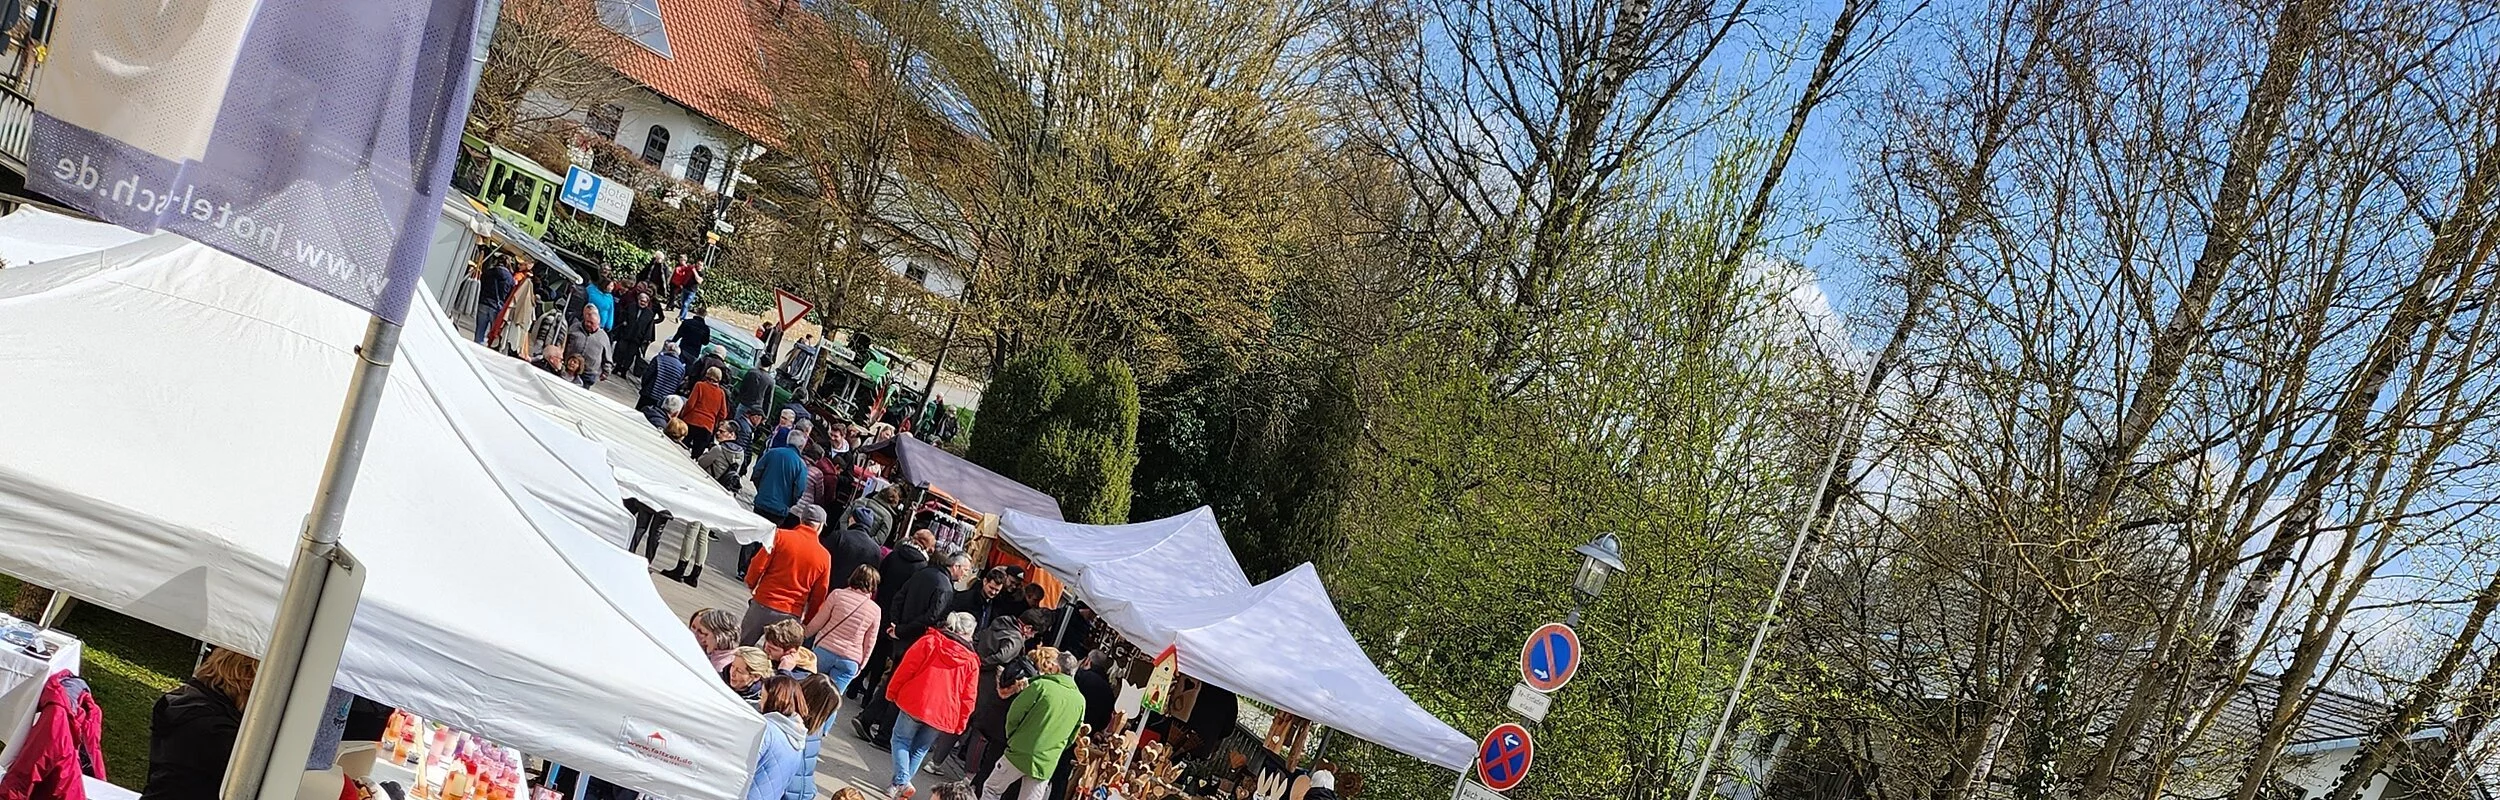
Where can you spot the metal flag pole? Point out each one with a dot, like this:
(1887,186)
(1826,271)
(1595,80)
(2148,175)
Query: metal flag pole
(1814,496)
(302,612)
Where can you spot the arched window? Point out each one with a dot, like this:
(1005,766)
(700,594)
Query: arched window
(604,119)
(655,145)
(699,165)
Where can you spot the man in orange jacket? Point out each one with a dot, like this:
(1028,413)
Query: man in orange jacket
(789,579)
(706,405)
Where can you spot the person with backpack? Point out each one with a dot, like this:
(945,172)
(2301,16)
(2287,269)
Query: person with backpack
(1039,727)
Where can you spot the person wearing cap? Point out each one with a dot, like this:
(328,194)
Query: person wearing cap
(789,580)
(780,485)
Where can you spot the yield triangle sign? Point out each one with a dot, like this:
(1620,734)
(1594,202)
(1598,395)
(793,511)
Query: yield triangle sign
(790,307)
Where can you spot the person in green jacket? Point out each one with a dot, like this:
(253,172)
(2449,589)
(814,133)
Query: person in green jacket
(1040,725)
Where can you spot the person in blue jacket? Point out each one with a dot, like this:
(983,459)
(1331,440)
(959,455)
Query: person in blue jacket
(785,740)
(780,482)
(823,704)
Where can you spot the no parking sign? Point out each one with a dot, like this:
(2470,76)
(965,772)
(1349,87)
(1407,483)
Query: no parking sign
(1550,658)
(1503,759)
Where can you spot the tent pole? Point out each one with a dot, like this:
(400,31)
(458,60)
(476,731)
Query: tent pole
(1067,611)
(316,554)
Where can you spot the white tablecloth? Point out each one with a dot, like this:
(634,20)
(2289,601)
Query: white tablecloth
(21,686)
(99,790)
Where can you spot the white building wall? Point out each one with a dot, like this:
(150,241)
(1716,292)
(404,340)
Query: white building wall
(687,130)
(938,275)
(2316,771)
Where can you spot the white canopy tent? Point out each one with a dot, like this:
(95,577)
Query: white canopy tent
(167,408)
(645,463)
(29,235)
(633,459)
(1126,572)
(1175,582)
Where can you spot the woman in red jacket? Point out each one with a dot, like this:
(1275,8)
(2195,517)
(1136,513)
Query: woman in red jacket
(932,691)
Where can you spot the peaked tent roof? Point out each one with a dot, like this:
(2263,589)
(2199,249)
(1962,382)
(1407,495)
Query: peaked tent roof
(645,463)
(29,235)
(223,382)
(924,464)
(1174,581)
(1126,571)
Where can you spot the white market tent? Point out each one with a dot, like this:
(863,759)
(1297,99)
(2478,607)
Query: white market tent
(30,234)
(635,461)
(1174,582)
(645,463)
(167,409)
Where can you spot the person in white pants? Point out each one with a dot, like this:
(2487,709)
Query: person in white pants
(1041,723)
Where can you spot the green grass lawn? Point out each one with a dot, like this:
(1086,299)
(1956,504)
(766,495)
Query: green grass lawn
(129,663)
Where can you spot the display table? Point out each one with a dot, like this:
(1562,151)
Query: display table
(21,686)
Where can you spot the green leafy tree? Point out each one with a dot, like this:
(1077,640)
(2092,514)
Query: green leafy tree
(1067,429)
(1020,402)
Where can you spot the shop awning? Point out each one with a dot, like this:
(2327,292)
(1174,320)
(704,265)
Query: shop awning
(541,252)
(205,393)
(922,464)
(1175,582)
(644,462)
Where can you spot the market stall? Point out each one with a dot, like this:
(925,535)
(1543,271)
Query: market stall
(209,390)
(1173,583)
(967,498)
(920,463)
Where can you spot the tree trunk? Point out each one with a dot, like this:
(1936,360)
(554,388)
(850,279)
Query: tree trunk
(2056,687)
(2387,352)
(30,602)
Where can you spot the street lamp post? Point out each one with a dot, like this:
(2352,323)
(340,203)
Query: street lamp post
(1599,560)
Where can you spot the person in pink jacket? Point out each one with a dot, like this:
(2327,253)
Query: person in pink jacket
(68,733)
(844,629)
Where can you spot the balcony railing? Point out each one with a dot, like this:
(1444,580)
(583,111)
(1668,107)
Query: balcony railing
(17,129)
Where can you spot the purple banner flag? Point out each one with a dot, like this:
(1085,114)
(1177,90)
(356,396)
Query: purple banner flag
(312,137)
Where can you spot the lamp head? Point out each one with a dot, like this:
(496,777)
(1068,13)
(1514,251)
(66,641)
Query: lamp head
(1599,560)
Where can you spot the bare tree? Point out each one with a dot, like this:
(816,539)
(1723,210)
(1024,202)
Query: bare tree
(551,60)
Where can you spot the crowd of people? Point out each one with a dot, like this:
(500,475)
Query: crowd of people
(855,597)
(979,675)
(609,325)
